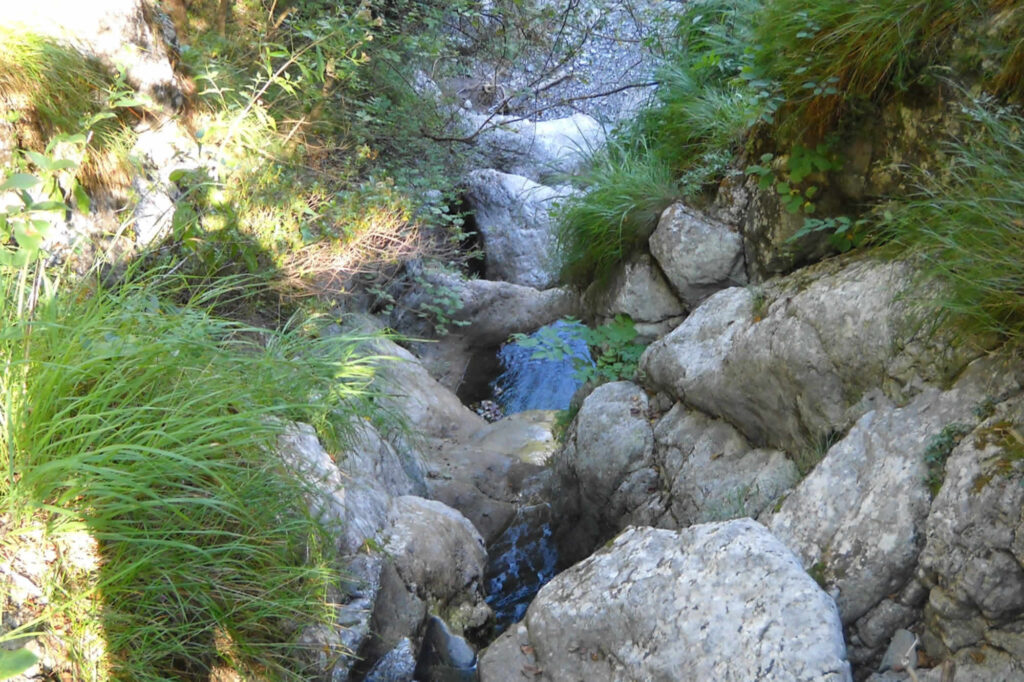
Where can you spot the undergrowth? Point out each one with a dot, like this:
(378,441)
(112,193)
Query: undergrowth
(149,423)
(965,224)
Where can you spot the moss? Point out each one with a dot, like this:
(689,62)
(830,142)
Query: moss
(817,571)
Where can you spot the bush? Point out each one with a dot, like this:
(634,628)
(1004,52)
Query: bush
(150,424)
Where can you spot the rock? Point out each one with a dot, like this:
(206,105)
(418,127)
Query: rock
(804,357)
(638,289)
(444,657)
(398,665)
(698,254)
(511,214)
(116,32)
(535,149)
(430,408)
(723,601)
(711,473)
(902,652)
(857,519)
(487,312)
(440,557)
(397,614)
(526,436)
(973,559)
(603,472)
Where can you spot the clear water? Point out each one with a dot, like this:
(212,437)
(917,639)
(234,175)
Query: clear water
(524,559)
(529,383)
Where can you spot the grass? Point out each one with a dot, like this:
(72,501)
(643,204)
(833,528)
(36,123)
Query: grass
(48,89)
(826,55)
(149,424)
(629,188)
(965,225)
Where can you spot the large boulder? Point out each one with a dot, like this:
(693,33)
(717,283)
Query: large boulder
(789,363)
(440,557)
(511,214)
(535,149)
(723,601)
(698,254)
(605,470)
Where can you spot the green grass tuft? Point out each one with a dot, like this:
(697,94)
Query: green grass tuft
(150,424)
(966,224)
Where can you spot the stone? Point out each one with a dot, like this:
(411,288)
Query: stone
(444,657)
(535,149)
(518,236)
(858,518)
(398,665)
(637,289)
(710,471)
(902,652)
(596,472)
(790,363)
(698,254)
(439,556)
(972,560)
(721,601)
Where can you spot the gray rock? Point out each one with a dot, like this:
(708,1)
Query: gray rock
(601,468)
(440,557)
(858,517)
(518,236)
(535,149)
(698,254)
(878,624)
(800,359)
(712,473)
(902,652)
(724,601)
(637,289)
(973,558)
(397,665)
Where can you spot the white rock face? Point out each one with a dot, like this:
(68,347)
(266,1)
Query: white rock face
(535,149)
(518,236)
(724,601)
(699,255)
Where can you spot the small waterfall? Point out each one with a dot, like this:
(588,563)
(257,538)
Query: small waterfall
(524,559)
(547,382)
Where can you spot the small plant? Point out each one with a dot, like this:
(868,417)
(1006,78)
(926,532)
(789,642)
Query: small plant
(938,450)
(801,163)
(843,232)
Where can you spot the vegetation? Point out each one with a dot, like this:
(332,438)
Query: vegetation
(783,81)
(149,424)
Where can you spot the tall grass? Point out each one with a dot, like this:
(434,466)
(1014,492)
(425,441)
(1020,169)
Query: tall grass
(151,424)
(629,188)
(825,55)
(966,224)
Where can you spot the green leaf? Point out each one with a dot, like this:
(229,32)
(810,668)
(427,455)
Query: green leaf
(19,181)
(783,188)
(44,162)
(15,662)
(82,201)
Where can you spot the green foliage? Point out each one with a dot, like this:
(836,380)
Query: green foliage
(965,228)
(15,662)
(938,450)
(629,187)
(150,425)
(822,56)
(795,195)
(613,347)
